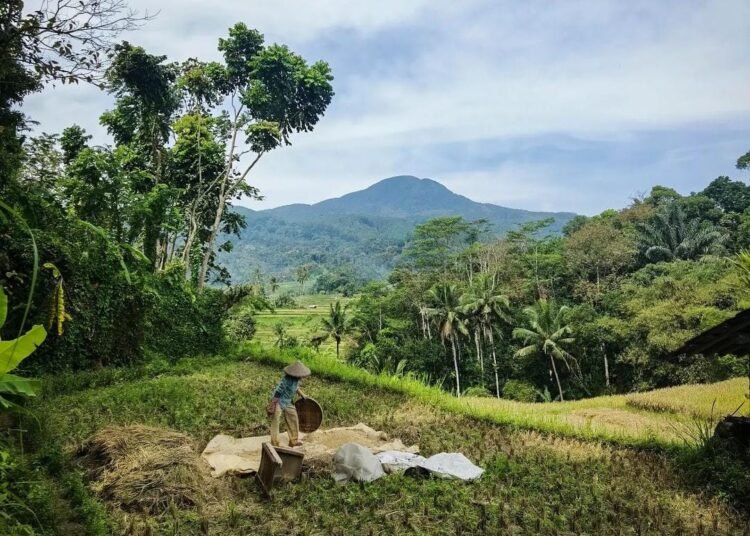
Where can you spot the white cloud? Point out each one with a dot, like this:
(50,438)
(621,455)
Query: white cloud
(413,77)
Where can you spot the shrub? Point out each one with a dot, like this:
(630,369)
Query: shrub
(25,498)
(478,390)
(240,325)
(519,390)
(180,322)
(285,301)
(106,304)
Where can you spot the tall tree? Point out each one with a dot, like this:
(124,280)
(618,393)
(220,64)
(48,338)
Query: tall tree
(302,274)
(731,196)
(488,307)
(62,41)
(145,106)
(337,324)
(447,312)
(437,241)
(670,236)
(599,250)
(548,335)
(272,93)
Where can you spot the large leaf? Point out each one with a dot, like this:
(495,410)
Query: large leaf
(16,385)
(15,351)
(3,307)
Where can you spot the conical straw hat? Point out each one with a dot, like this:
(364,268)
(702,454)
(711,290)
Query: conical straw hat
(297,370)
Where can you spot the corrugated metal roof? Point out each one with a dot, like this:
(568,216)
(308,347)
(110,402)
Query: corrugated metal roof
(730,337)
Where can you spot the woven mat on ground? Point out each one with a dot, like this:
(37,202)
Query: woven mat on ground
(228,455)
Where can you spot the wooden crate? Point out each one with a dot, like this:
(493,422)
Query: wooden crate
(291,463)
(270,463)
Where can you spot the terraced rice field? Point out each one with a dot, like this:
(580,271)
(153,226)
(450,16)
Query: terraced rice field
(301,322)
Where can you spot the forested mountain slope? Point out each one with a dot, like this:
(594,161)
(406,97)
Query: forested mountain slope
(365,230)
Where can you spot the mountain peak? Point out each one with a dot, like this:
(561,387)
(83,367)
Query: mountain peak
(364,229)
(409,182)
(408,198)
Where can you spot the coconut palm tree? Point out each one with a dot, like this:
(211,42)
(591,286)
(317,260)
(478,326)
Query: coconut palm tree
(274,282)
(448,315)
(548,335)
(337,324)
(671,236)
(487,307)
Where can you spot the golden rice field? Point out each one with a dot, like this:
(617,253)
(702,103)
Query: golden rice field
(658,417)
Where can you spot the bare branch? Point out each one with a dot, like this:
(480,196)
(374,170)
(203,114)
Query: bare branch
(70,40)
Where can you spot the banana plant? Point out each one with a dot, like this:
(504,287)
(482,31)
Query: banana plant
(12,352)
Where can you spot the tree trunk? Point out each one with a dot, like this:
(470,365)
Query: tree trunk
(557,378)
(188,246)
(494,363)
(479,352)
(338,342)
(455,366)
(606,367)
(212,237)
(222,197)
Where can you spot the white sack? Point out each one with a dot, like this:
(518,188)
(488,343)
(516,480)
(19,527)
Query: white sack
(355,462)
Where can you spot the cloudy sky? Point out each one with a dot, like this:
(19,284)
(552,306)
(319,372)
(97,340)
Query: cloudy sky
(565,105)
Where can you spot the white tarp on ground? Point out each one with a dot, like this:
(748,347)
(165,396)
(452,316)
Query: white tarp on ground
(452,465)
(355,462)
(395,461)
(227,454)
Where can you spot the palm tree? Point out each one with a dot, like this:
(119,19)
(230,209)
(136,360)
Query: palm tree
(449,317)
(302,273)
(487,306)
(741,262)
(274,282)
(671,236)
(548,335)
(336,325)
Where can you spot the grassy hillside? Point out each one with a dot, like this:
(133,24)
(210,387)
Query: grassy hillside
(657,418)
(534,483)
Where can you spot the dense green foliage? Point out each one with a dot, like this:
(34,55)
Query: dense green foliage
(597,310)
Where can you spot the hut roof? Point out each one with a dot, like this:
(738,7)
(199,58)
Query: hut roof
(730,337)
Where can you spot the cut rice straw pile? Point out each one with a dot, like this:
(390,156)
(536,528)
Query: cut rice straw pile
(145,470)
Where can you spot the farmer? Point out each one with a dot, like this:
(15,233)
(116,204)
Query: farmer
(281,401)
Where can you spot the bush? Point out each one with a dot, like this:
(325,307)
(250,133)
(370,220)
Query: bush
(106,301)
(25,498)
(478,390)
(180,322)
(240,325)
(285,301)
(520,390)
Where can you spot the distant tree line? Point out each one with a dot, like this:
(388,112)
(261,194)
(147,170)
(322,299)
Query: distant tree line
(595,310)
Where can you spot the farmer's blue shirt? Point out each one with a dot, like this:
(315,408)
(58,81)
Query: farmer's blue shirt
(285,390)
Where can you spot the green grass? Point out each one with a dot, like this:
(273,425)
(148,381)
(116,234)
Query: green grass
(614,419)
(534,484)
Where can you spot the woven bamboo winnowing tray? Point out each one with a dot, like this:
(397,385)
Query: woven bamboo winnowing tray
(310,414)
